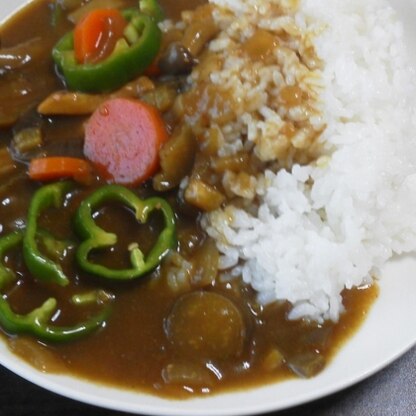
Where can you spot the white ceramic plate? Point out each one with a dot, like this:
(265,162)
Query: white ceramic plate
(388,332)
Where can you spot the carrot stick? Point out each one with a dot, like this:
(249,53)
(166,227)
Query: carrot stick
(123,138)
(52,168)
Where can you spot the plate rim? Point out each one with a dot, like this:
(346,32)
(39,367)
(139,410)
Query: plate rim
(203,406)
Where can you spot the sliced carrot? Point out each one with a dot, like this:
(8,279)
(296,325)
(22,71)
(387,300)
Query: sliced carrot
(96,35)
(52,168)
(123,138)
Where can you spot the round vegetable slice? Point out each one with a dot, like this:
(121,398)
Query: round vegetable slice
(123,138)
(206,325)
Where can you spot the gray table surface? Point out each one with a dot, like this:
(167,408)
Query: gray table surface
(391,392)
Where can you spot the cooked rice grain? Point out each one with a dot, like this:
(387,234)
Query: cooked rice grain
(330,225)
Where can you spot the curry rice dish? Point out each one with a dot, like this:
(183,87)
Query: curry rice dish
(197,196)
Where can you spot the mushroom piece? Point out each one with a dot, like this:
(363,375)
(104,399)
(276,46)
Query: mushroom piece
(176,60)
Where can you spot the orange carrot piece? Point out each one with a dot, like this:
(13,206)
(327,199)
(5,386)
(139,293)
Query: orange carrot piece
(123,138)
(96,35)
(53,168)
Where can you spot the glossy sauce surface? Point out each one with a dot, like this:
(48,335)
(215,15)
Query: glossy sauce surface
(157,339)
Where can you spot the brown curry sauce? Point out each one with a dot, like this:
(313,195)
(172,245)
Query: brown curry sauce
(133,351)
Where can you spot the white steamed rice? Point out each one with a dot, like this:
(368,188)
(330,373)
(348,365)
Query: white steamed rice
(332,225)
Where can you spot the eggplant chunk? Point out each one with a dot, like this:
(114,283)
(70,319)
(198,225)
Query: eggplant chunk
(206,326)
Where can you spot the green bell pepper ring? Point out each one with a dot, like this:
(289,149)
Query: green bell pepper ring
(36,322)
(56,249)
(7,243)
(42,267)
(96,238)
(152,9)
(125,62)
